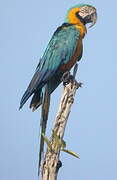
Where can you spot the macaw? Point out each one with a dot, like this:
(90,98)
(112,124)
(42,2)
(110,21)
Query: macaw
(63,51)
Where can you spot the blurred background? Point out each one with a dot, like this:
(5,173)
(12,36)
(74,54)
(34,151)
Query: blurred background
(25,29)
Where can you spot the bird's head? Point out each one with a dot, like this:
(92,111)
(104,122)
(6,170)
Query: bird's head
(83,14)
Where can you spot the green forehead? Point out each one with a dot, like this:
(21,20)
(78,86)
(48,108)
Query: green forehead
(78,6)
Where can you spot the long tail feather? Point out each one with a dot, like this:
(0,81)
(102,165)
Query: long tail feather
(25,97)
(43,123)
(36,100)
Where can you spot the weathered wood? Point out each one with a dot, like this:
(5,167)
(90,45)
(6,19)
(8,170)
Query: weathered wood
(51,162)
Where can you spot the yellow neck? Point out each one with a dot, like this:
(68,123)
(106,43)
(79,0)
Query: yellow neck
(72,18)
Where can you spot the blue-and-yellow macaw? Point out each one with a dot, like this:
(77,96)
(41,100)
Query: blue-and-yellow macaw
(63,51)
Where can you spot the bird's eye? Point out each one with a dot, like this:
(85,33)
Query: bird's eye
(88,17)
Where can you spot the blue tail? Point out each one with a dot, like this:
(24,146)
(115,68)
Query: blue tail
(25,97)
(36,100)
(43,123)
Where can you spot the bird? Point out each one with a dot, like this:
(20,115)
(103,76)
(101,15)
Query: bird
(63,51)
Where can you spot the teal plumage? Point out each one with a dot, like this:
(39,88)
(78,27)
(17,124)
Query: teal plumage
(63,51)
(48,74)
(58,52)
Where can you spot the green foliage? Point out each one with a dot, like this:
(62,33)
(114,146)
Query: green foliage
(59,144)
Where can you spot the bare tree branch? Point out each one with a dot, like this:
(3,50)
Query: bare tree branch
(51,162)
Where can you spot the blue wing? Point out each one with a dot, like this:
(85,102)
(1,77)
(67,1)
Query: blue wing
(59,51)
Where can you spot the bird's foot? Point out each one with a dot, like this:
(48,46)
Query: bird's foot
(66,78)
(79,84)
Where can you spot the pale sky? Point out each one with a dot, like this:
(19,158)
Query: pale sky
(26,28)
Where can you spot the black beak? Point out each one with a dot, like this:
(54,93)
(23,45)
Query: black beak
(93,19)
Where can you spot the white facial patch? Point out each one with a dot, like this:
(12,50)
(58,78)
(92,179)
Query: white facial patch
(86,10)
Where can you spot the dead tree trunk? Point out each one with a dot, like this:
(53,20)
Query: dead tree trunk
(51,162)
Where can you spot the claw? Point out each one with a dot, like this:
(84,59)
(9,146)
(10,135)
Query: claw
(65,77)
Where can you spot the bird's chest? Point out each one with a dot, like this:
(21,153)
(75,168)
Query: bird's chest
(75,57)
